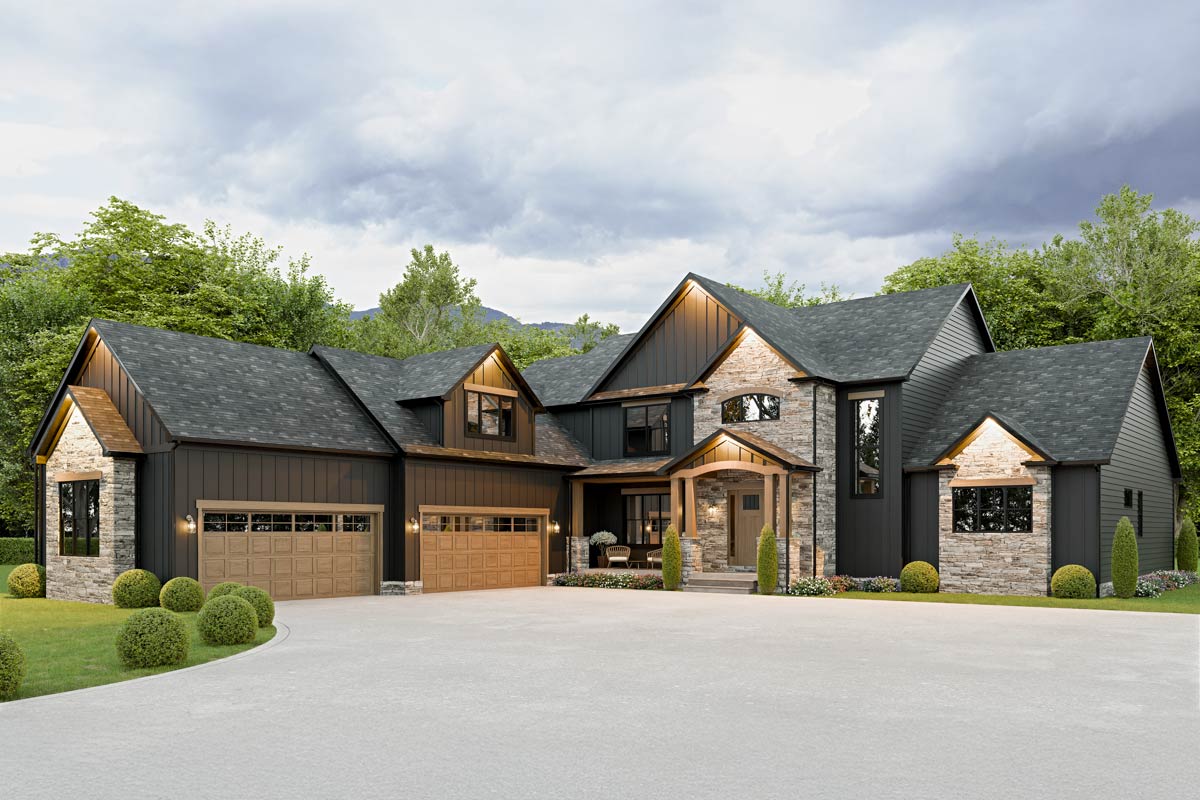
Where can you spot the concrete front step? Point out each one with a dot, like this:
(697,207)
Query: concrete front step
(723,583)
(717,589)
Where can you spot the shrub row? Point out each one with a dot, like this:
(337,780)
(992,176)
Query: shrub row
(12,666)
(811,587)
(826,587)
(610,580)
(16,550)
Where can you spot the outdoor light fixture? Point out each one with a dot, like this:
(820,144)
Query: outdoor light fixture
(191,523)
(413,525)
(712,509)
(554,526)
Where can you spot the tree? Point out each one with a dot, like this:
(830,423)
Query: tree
(585,333)
(1124,559)
(526,344)
(1186,546)
(776,289)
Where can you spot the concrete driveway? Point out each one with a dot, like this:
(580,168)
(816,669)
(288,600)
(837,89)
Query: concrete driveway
(603,693)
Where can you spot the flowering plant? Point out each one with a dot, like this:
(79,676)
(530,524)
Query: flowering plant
(811,587)
(880,584)
(602,538)
(843,583)
(608,580)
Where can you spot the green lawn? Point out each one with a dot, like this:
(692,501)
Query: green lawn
(1180,601)
(71,645)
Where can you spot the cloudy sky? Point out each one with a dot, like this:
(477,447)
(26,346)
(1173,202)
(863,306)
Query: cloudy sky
(582,157)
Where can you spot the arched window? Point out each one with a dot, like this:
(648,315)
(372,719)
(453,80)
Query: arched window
(750,408)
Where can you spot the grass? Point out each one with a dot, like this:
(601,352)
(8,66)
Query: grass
(72,645)
(1179,601)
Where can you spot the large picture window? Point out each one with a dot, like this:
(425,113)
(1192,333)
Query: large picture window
(647,430)
(993,509)
(750,408)
(489,415)
(868,446)
(646,517)
(79,518)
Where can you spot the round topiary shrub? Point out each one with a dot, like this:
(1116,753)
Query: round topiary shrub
(1073,581)
(181,594)
(227,620)
(1124,559)
(222,589)
(12,666)
(153,637)
(920,577)
(260,601)
(27,580)
(1186,547)
(136,588)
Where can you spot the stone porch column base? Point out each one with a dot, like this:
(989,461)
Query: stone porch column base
(692,557)
(395,588)
(579,551)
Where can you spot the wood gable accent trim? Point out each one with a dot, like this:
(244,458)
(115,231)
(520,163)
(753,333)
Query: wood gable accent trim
(730,449)
(106,422)
(1035,453)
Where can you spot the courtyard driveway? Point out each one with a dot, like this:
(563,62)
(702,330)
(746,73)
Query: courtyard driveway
(600,693)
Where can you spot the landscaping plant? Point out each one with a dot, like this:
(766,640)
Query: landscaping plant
(879,584)
(1187,547)
(227,620)
(136,588)
(1124,559)
(12,666)
(1073,581)
(672,559)
(768,561)
(812,587)
(16,549)
(610,580)
(153,637)
(260,601)
(181,594)
(919,577)
(27,580)
(843,583)
(222,589)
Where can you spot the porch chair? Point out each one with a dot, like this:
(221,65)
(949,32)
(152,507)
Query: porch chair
(654,559)
(618,554)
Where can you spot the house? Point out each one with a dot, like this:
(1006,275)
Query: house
(865,434)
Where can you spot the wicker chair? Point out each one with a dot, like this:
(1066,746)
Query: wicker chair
(618,554)
(654,559)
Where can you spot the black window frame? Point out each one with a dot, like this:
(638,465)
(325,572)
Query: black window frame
(81,491)
(643,530)
(648,430)
(476,396)
(1140,518)
(759,399)
(976,492)
(856,448)
(1128,498)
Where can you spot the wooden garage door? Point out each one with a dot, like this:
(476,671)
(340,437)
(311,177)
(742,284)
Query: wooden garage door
(293,556)
(480,551)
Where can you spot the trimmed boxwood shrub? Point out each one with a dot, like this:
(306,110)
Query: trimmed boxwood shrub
(228,619)
(136,588)
(768,561)
(16,550)
(1073,581)
(260,601)
(1124,559)
(222,589)
(12,666)
(1187,549)
(920,577)
(153,637)
(672,563)
(27,580)
(181,594)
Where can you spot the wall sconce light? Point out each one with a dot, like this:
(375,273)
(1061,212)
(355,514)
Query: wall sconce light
(413,525)
(191,523)
(555,528)
(712,510)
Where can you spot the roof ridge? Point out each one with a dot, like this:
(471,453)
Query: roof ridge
(1060,347)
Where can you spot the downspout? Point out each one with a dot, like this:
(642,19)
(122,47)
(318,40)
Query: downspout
(814,479)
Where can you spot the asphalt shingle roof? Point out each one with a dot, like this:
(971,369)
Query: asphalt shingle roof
(1070,399)
(433,374)
(565,380)
(375,381)
(214,389)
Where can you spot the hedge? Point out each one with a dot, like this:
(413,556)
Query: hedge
(672,563)
(16,550)
(181,594)
(136,588)
(153,637)
(1073,581)
(27,580)
(1124,559)
(768,561)
(920,577)
(228,619)
(260,601)
(12,666)
(1187,549)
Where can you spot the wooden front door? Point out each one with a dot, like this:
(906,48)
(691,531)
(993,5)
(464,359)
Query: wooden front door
(746,520)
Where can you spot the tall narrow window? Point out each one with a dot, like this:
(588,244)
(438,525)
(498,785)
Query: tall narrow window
(647,430)
(1139,510)
(79,518)
(868,446)
(489,415)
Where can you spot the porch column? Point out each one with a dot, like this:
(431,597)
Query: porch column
(785,510)
(676,504)
(576,509)
(769,502)
(689,511)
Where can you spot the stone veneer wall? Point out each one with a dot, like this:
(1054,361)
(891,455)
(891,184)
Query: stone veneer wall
(397,588)
(90,578)
(995,563)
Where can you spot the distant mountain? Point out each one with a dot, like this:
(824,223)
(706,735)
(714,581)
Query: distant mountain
(489,315)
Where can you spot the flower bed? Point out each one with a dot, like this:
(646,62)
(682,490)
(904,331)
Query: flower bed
(1163,580)
(610,580)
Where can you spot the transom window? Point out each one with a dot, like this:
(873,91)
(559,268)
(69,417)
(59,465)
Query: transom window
(647,430)
(750,408)
(993,509)
(454,523)
(646,517)
(233,522)
(868,440)
(79,518)
(489,415)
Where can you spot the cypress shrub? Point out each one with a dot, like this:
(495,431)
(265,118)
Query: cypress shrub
(136,588)
(260,601)
(227,620)
(1186,547)
(16,550)
(920,577)
(12,666)
(1124,559)
(1074,582)
(768,561)
(27,580)
(153,637)
(181,594)
(672,563)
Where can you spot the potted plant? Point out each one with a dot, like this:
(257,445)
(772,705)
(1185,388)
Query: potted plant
(601,540)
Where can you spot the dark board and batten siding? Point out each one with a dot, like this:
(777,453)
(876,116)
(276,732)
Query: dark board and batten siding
(601,428)
(690,333)
(1139,462)
(922,535)
(1075,517)
(103,371)
(454,422)
(870,530)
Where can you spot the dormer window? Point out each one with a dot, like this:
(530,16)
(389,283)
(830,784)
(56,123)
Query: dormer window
(750,408)
(489,415)
(648,430)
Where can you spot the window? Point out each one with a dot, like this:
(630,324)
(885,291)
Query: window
(646,517)
(750,408)
(223,522)
(1139,525)
(647,430)
(79,518)
(1129,498)
(751,502)
(454,523)
(868,436)
(993,509)
(489,415)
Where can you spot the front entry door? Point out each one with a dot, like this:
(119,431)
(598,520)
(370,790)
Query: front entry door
(746,522)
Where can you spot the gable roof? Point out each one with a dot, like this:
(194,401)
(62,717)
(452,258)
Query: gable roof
(432,374)
(1070,400)
(750,440)
(206,389)
(566,380)
(105,421)
(1023,438)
